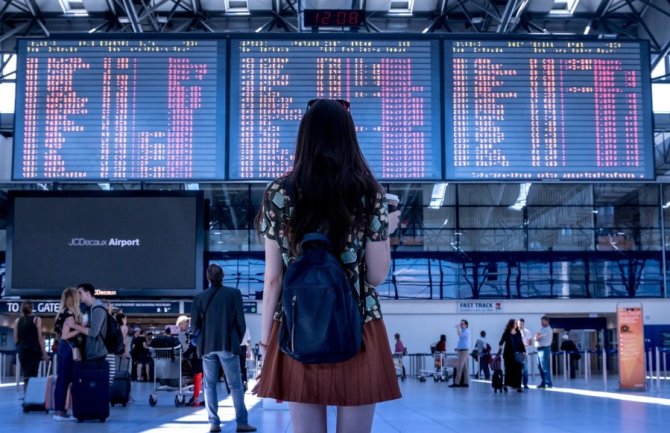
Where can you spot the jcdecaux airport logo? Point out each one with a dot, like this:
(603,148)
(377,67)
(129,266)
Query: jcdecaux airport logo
(111,242)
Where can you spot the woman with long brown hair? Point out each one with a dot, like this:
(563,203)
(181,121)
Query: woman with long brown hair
(514,354)
(330,190)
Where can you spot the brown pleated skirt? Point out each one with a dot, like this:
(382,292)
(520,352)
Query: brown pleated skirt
(367,378)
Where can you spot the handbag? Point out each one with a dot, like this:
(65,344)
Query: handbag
(76,354)
(520,357)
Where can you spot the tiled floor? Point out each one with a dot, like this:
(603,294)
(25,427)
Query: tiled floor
(425,407)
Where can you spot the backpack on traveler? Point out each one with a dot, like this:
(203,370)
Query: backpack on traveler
(321,315)
(112,336)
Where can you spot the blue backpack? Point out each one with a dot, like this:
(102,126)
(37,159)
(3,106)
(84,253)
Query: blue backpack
(321,316)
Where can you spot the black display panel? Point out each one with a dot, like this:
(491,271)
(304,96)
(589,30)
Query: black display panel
(548,109)
(120,109)
(393,86)
(126,245)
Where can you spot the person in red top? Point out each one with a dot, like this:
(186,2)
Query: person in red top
(399,346)
(441,345)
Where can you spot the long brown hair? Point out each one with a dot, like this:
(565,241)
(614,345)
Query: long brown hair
(333,189)
(511,323)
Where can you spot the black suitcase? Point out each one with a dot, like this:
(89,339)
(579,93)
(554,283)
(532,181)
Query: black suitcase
(90,391)
(462,382)
(497,380)
(120,391)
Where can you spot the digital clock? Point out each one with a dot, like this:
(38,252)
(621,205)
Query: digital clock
(333,17)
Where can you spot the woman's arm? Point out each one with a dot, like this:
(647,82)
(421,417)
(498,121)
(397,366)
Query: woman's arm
(378,254)
(81,329)
(16,330)
(68,330)
(274,272)
(40,337)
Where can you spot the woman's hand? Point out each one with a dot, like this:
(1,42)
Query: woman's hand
(394,221)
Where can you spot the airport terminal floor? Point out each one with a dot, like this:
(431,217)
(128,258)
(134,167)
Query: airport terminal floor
(432,407)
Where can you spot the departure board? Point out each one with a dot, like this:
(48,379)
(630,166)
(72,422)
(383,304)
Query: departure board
(393,87)
(548,109)
(120,109)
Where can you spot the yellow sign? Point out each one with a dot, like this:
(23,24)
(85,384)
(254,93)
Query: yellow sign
(632,365)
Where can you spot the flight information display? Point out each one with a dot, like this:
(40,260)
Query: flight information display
(120,109)
(393,87)
(548,109)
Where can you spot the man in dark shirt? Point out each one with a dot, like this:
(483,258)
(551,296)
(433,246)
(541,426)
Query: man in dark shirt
(218,318)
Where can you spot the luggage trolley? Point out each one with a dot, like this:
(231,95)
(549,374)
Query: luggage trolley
(165,360)
(399,366)
(440,373)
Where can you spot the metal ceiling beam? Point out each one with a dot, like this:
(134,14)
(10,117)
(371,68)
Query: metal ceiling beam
(4,61)
(662,54)
(132,16)
(151,16)
(643,24)
(17,5)
(16,30)
(4,9)
(507,16)
(468,17)
(35,12)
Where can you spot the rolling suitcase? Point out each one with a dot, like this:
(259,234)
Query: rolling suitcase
(35,398)
(120,391)
(497,380)
(39,393)
(90,391)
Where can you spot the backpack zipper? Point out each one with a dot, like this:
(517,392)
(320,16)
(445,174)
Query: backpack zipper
(293,308)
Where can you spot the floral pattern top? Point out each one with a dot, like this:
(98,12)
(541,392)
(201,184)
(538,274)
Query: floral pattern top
(276,212)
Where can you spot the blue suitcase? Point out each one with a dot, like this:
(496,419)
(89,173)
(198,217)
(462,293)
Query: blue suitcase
(90,391)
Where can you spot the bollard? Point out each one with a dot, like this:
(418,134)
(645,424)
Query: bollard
(650,370)
(18,371)
(587,365)
(665,365)
(604,367)
(565,367)
(658,369)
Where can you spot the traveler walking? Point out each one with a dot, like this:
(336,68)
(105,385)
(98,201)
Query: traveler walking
(514,353)
(29,342)
(218,318)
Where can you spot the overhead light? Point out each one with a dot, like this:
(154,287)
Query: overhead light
(666,205)
(437,197)
(564,7)
(520,202)
(401,8)
(73,7)
(237,7)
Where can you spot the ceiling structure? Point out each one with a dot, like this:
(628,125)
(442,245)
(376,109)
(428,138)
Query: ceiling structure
(646,19)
